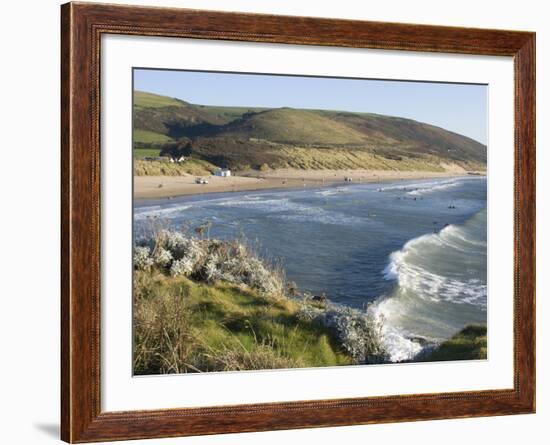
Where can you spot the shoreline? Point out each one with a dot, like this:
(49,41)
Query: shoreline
(424,346)
(168,187)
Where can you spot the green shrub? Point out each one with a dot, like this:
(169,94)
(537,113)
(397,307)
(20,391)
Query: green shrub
(469,344)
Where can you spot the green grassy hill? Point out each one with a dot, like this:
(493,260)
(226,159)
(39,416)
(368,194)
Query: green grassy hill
(418,137)
(243,138)
(229,113)
(150,137)
(172,118)
(293,127)
(150,100)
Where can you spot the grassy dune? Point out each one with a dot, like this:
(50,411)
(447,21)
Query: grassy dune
(196,167)
(342,159)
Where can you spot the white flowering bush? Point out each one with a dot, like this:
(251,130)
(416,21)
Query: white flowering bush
(358,332)
(259,277)
(206,260)
(142,258)
(212,269)
(233,263)
(181,267)
(162,258)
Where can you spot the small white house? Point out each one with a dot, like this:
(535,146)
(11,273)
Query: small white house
(178,160)
(224,172)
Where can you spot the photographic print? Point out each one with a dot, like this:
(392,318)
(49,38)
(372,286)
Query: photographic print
(285,221)
(302,238)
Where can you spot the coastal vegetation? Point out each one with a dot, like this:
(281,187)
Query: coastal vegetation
(196,167)
(149,139)
(468,344)
(244,138)
(207,305)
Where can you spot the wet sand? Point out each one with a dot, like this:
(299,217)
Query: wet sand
(148,187)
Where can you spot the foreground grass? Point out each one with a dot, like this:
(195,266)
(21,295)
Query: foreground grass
(196,167)
(183,326)
(469,344)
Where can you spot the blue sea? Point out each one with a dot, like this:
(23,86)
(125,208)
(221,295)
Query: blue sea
(412,252)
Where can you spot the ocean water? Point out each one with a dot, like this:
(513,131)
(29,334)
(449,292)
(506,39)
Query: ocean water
(412,252)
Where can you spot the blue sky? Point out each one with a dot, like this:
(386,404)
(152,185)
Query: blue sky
(461,108)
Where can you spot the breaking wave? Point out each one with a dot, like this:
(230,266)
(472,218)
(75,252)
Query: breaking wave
(425,187)
(441,285)
(159,212)
(332,192)
(290,210)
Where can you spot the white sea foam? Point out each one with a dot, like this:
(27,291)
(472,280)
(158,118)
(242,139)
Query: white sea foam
(289,210)
(436,289)
(433,287)
(269,204)
(399,347)
(425,187)
(158,212)
(323,217)
(413,276)
(333,191)
(452,233)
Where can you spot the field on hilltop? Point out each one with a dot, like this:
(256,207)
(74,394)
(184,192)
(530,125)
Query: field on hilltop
(243,138)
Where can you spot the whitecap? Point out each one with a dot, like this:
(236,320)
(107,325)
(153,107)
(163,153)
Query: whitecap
(437,291)
(158,212)
(425,187)
(426,284)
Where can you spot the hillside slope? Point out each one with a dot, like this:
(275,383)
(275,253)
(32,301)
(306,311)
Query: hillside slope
(291,126)
(251,138)
(418,137)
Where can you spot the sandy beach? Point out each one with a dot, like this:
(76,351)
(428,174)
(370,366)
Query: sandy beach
(149,187)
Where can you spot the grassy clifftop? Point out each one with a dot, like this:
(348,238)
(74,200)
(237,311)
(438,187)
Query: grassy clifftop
(207,305)
(468,344)
(186,326)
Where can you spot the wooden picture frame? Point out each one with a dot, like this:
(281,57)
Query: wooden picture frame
(82,26)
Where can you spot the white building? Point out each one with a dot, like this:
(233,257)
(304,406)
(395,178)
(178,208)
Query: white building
(225,172)
(178,160)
